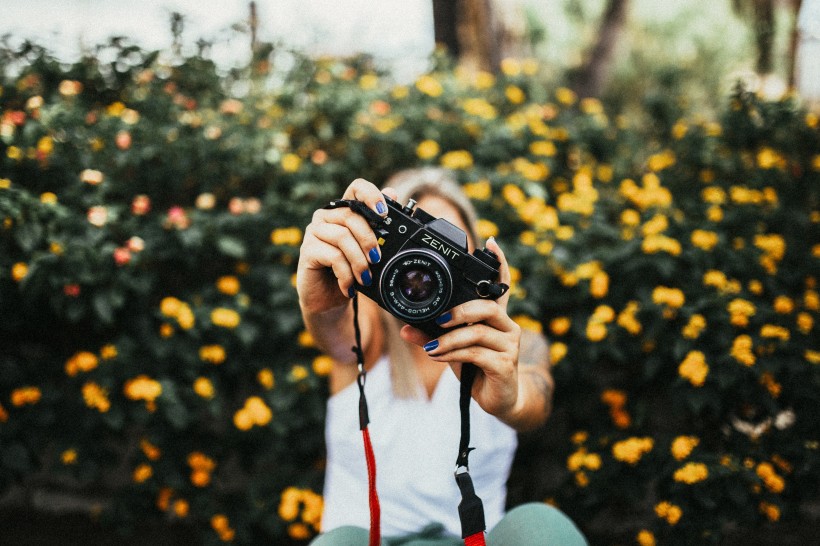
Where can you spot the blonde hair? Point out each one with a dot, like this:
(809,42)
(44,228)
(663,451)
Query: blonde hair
(415,184)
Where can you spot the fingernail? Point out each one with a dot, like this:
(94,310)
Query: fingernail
(431,345)
(351,292)
(366,278)
(381,208)
(444,318)
(374,255)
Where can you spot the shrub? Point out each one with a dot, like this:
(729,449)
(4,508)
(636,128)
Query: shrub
(153,344)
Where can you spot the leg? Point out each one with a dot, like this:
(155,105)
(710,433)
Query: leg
(343,536)
(535,524)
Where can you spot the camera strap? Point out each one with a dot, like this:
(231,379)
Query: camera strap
(470,509)
(364,421)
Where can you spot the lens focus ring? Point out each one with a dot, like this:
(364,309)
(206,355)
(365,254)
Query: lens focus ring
(416,285)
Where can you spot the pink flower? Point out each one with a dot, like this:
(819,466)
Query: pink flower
(71,290)
(98,216)
(135,244)
(178,218)
(141,205)
(122,256)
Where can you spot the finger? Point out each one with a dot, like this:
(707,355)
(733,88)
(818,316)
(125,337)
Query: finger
(504,273)
(358,227)
(414,335)
(366,192)
(488,312)
(351,252)
(476,335)
(327,256)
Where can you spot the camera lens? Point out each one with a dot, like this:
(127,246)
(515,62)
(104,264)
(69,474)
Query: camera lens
(417,285)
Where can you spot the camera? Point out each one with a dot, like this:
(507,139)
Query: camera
(426,267)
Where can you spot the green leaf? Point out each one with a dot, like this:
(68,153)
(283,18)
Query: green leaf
(231,246)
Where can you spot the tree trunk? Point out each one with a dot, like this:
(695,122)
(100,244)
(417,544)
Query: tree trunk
(763,11)
(794,38)
(470,32)
(595,74)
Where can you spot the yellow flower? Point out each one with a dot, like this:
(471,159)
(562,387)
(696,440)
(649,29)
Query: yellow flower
(510,66)
(682,446)
(69,456)
(225,318)
(704,240)
(668,511)
(266,378)
(486,229)
(19,271)
(215,354)
(427,149)
(671,297)
(740,311)
(774,331)
(254,412)
(691,473)
(290,236)
(368,82)
(204,387)
(661,243)
(480,190)
(767,158)
(515,94)
(559,350)
(695,326)
(82,361)
(142,473)
(142,387)
(694,368)
(4,415)
(599,285)
(627,320)
(560,325)
(543,147)
(565,96)
(457,159)
(298,373)
(479,108)
(25,396)
(645,538)
(805,323)
(742,350)
(151,451)
(429,85)
(96,397)
(322,365)
(771,511)
(291,162)
(228,285)
(632,449)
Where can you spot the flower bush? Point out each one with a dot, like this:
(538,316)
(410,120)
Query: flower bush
(152,344)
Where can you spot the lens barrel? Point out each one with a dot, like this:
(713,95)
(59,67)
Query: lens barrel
(416,285)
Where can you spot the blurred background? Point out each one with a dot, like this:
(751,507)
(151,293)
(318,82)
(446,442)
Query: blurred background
(652,169)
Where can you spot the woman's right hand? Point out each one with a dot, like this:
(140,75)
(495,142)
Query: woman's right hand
(337,250)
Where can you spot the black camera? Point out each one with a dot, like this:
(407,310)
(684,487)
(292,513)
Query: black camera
(426,267)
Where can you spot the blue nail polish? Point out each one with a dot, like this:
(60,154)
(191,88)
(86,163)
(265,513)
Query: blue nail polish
(381,208)
(431,345)
(351,292)
(444,318)
(366,278)
(374,255)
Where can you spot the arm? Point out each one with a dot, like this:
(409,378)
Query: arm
(337,250)
(514,382)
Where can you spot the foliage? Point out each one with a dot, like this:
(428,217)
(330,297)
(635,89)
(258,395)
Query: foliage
(153,344)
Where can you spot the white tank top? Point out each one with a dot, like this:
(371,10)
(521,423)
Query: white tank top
(415,442)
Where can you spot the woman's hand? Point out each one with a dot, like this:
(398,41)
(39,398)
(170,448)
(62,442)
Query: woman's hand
(337,249)
(488,338)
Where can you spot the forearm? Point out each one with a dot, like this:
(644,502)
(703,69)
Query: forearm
(534,403)
(332,331)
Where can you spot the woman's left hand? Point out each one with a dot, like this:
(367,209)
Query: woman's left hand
(488,338)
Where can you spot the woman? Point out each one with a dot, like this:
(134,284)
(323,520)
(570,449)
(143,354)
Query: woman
(412,396)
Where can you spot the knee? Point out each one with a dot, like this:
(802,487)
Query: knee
(343,536)
(537,523)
